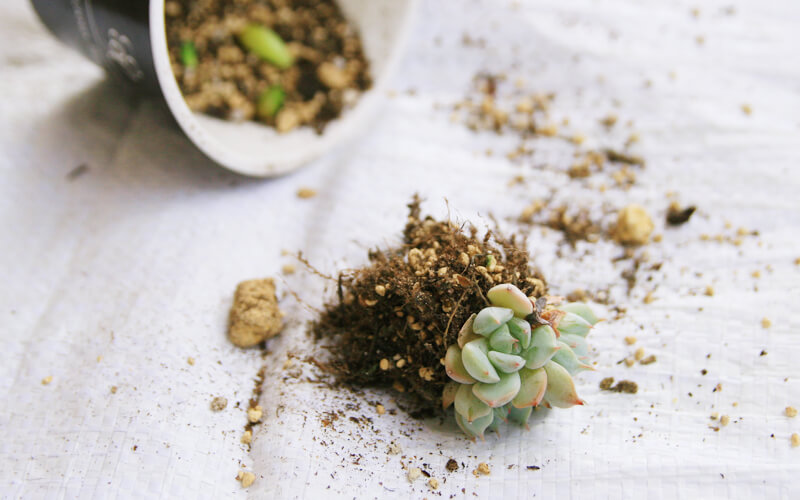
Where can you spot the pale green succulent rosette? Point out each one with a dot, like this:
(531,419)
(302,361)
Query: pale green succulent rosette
(501,368)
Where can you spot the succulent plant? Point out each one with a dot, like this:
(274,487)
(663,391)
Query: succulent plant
(501,367)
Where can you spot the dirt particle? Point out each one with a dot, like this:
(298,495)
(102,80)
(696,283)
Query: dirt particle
(709,291)
(630,340)
(254,414)
(413,474)
(433,483)
(724,420)
(714,415)
(47,380)
(633,226)
(394,449)
(629,362)
(246,478)
(247,437)
(606,383)
(482,470)
(306,193)
(219,403)
(380,409)
(677,215)
(288,269)
(113,389)
(626,386)
(190,360)
(795,439)
(649,360)
(254,316)
(766,323)
(790,411)
(747,109)
(639,354)
(451,465)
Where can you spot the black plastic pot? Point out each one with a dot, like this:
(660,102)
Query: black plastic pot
(113,33)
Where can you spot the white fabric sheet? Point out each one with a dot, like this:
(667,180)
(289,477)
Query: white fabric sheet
(135,261)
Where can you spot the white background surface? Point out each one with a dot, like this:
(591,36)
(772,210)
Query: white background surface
(137,259)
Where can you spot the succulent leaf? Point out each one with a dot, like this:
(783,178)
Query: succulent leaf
(567,358)
(533,384)
(489,318)
(581,309)
(468,405)
(577,343)
(477,427)
(466,334)
(501,340)
(500,416)
(560,387)
(449,393)
(509,296)
(454,366)
(521,330)
(499,393)
(506,363)
(543,346)
(572,324)
(520,415)
(476,362)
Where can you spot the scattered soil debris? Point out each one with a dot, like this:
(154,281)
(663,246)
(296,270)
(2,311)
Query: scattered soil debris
(634,226)
(677,215)
(533,467)
(790,411)
(254,316)
(766,323)
(47,380)
(246,478)
(306,193)
(795,439)
(625,386)
(482,470)
(219,403)
(430,286)
(254,414)
(451,465)
(413,474)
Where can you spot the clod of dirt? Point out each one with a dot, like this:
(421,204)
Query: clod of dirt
(633,227)
(254,316)
(677,215)
(394,319)
(626,386)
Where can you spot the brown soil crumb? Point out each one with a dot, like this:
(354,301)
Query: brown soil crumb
(413,474)
(629,362)
(724,420)
(433,283)
(380,409)
(325,71)
(254,414)
(677,215)
(247,437)
(254,316)
(633,227)
(639,354)
(113,389)
(746,109)
(709,291)
(219,403)
(714,415)
(795,439)
(288,269)
(433,483)
(630,340)
(451,465)
(649,360)
(246,478)
(190,360)
(483,469)
(766,323)
(306,193)
(790,411)
(625,386)
(47,380)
